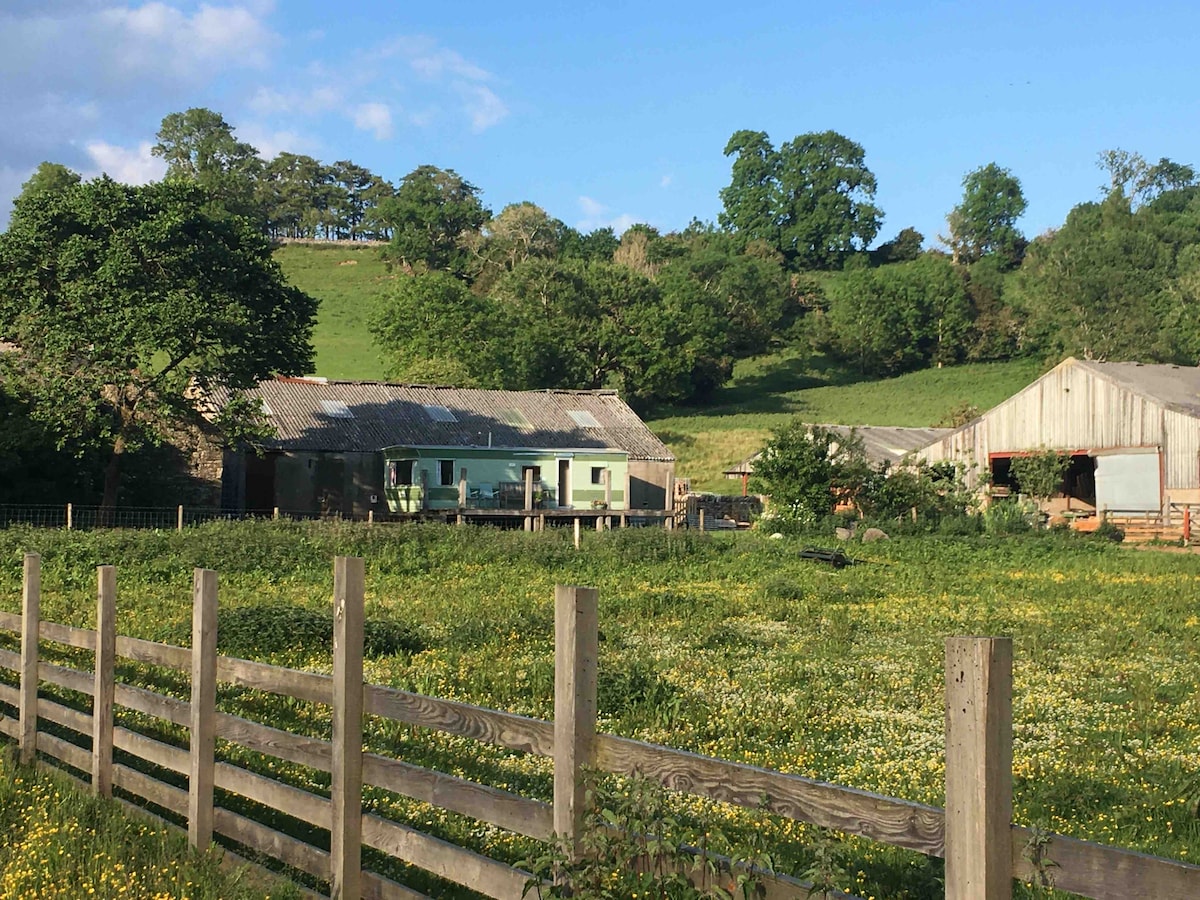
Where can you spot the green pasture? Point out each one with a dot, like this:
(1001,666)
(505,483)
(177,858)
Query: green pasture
(348,281)
(727,645)
(62,844)
(769,391)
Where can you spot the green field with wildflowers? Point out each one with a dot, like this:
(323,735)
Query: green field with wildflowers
(724,644)
(61,844)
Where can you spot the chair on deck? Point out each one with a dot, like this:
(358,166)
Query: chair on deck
(484,495)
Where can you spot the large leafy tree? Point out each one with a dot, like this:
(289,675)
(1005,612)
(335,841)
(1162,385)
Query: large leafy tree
(812,199)
(899,317)
(131,305)
(199,145)
(48,177)
(432,213)
(432,329)
(985,221)
(1117,283)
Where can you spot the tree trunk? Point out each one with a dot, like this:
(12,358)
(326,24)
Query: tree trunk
(112,482)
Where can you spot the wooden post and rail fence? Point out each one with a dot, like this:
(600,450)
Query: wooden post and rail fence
(983,850)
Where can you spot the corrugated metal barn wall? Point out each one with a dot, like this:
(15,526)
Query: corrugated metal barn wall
(1182,454)
(1069,408)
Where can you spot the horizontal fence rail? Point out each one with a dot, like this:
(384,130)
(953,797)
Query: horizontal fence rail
(983,849)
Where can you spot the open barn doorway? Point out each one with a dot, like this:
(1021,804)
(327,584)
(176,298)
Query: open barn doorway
(1078,485)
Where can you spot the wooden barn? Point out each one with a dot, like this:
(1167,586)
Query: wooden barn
(353,448)
(1132,431)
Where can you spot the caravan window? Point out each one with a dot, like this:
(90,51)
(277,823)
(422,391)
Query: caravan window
(445,471)
(400,471)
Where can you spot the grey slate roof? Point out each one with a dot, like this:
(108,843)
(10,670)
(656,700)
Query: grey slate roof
(1176,387)
(882,443)
(387,415)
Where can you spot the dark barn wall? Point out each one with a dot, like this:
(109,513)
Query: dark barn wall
(329,483)
(649,483)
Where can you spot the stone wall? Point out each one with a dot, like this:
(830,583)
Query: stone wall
(726,506)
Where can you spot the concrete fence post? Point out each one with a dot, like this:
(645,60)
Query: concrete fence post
(31,602)
(978,768)
(576,650)
(345,849)
(203,709)
(70,517)
(104,687)
(179,518)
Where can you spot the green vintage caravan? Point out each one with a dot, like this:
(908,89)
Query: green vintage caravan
(481,478)
(360,448)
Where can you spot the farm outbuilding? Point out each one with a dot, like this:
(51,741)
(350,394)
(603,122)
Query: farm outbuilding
(1132,432)
(353,448)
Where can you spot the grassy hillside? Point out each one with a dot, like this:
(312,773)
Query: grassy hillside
(765,393)
(769,391)
(348,281)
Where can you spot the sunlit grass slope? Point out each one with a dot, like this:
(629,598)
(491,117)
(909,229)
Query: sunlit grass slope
(348,281)
(769,391)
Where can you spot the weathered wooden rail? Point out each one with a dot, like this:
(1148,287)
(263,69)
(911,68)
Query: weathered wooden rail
(984,851)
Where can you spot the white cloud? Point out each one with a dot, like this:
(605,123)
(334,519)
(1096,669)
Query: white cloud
(447,70)
(484,107)
(373,117)
(595,215)
(270,143)
(128,165)
(269,101)
(591,208)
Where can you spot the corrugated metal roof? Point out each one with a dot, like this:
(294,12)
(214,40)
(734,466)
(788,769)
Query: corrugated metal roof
(881,443)
(1176,387)
(388,415)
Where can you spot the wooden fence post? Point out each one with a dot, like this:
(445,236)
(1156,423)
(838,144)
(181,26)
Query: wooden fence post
(346,788)
(978,768)
(577,529)
(105,678)
(275,513)
(576,650)
(31,602)
(203,711)
(701,517)
(179,518)
(528,489)
(70,517)
(462,488)
(607,476)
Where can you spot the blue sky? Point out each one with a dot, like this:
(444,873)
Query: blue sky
(607,114)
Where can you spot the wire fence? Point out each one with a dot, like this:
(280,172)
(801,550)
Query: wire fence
(72,516)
